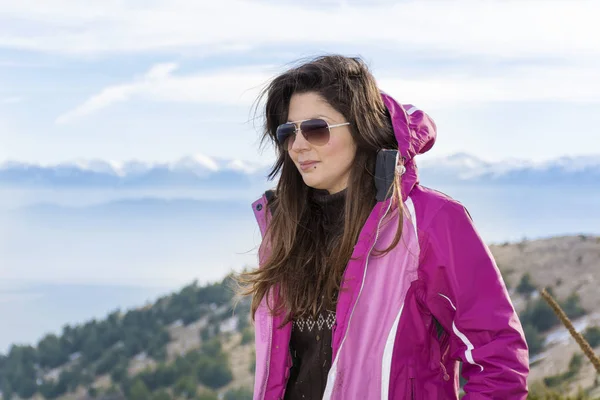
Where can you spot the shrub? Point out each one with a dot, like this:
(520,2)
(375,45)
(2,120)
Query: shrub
(525,286)
(535,341)
(247,336)
(574,368)
(592,335)
(239,394)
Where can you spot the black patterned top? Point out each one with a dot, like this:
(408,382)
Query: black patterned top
(310,343)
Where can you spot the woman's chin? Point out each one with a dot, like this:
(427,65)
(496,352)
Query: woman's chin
(313,183)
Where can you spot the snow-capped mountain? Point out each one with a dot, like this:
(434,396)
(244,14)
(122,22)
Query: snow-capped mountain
(465,168)
(188,171)
(207,172)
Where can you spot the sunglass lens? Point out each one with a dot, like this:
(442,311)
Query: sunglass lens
(316,131)
(284,132)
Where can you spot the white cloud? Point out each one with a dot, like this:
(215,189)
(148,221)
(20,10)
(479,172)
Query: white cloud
(538,83)
(504,28)
(231,86)
(161,71)
(103,99)
(240,86)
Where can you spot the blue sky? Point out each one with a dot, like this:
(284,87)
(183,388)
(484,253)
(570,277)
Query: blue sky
(161,80)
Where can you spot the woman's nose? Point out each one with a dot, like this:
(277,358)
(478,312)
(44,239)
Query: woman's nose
(300,143)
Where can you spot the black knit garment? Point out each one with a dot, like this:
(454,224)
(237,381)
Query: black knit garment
(310,343)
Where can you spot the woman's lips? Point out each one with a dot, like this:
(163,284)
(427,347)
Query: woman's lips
(306,166)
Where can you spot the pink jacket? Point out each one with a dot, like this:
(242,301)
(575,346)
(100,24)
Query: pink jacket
(387,341)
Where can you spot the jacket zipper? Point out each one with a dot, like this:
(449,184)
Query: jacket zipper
(412,389)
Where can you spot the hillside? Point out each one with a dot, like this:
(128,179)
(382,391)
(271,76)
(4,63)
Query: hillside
(181,346)
(193,345)
(570,267)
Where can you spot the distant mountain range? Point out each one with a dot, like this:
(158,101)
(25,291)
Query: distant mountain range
(187,172)
(210,173)
(465,168)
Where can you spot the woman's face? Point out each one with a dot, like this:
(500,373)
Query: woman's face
(327,166)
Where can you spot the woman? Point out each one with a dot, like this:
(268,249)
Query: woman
(370,285)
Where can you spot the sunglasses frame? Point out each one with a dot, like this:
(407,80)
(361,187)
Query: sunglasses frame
(298,129)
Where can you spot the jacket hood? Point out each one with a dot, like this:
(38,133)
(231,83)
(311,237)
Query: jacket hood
(415,133)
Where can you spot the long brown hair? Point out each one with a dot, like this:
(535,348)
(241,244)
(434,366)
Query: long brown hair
(306,274)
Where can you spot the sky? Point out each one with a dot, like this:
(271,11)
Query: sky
(160,80)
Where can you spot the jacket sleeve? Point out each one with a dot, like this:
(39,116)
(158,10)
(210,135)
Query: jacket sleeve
(466,293)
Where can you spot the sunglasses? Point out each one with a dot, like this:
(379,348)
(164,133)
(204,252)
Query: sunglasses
(316,131)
